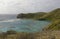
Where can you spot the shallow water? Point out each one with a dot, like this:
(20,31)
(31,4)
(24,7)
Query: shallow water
(22,25)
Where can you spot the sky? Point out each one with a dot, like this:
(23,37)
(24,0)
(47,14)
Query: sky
(27,6)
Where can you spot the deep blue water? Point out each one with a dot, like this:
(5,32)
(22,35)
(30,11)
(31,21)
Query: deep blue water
(10,22)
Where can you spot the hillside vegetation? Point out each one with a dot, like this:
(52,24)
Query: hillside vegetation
(55,25)
(36,15)
(53,15)
(25,35)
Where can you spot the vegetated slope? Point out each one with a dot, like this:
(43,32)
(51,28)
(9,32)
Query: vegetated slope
(55,14)
(54,17)
(55,25)
(36,15)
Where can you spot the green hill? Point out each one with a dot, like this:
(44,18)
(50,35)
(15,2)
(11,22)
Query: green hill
(55,14)
(36,15)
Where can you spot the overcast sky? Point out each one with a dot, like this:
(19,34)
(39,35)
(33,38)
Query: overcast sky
(21,6)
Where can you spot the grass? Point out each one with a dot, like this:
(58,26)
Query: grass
(36,35)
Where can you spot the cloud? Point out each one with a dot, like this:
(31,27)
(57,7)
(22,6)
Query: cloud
(19,6)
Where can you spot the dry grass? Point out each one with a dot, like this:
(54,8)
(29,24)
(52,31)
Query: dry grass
(37,35)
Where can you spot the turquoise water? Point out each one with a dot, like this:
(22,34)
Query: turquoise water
(22,25)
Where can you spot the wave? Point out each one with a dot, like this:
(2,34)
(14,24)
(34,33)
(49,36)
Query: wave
(11,20)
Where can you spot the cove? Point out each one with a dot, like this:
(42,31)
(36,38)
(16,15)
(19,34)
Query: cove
(23,25)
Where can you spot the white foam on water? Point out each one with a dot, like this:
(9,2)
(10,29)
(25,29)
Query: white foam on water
(11,20)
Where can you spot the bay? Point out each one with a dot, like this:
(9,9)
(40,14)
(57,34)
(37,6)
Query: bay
(22,25)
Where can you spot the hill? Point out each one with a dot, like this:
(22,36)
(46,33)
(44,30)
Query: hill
(55,14)
(36,15)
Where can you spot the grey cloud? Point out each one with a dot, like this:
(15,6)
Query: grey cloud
(20,6)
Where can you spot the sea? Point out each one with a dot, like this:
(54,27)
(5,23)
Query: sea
(10,22)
